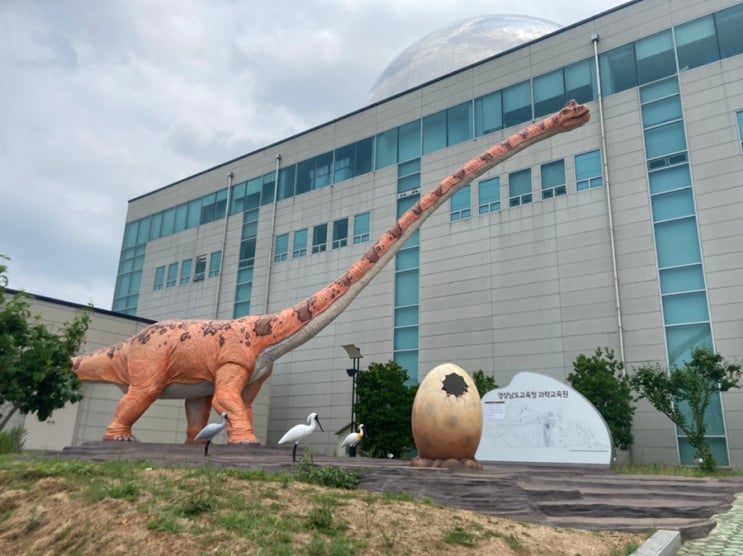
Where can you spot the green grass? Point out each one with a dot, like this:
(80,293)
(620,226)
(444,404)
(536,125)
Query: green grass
(674,471)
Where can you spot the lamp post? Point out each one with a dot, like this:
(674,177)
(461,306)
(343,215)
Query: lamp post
(354,353)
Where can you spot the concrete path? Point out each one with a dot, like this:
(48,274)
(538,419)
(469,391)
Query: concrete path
(590,498)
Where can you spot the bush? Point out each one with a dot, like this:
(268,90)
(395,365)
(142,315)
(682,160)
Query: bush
(11,441)
(600,378)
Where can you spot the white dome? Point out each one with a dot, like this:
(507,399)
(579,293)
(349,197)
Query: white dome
(454,47)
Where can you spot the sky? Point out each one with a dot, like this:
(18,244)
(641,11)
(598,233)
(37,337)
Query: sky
(102,102)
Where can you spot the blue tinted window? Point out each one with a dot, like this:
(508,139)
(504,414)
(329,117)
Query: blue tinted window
(434,132)
(517,104)
(386,149)
(489,195)
(664,140)
(488,114)
(194,214)
(549,93)
(519,188)
(580,81)
(668,179)
(675,204)
(655,57)
(268,189)
(156,222)
(361,223)
(677,242)
(681,279)
(320,238)
(159,278)
(300,243)
(172,275)
(460,205)
(729,23)
(409,137)
(685,307)
(281,250)
(406,288)
(696,43)
(286,182)
(181,216)
(618,71)
(588,171)
(340,233)
(553,179)
(459,123)
(215,264)
(186,267)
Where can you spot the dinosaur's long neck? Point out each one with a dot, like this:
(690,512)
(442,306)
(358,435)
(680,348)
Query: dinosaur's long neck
(294,326)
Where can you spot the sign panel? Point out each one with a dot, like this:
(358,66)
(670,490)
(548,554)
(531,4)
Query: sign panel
(537,419)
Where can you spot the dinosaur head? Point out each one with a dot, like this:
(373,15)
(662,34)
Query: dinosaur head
(572,115)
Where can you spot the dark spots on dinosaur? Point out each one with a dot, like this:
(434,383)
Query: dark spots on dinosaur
(185,336)
(395,231)
(221,340)
(486,157)
(210,328)
(372,255)
(163,330)
(144,336)
(344,281)
(263,325)
(459,174)
(507,145)
(303,311)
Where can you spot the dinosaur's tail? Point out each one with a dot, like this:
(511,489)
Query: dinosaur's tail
(100,366)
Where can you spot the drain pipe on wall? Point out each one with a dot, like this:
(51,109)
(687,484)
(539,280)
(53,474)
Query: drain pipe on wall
(605,164)
(273,225)
(224,243)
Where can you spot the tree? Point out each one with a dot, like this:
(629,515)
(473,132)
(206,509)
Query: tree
(684,394)
(35,363)
(600,378)
(384,405)
(485,383)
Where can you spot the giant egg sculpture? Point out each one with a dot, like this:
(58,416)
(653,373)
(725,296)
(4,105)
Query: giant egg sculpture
(447,419)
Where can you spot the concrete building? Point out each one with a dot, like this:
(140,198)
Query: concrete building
(624,233)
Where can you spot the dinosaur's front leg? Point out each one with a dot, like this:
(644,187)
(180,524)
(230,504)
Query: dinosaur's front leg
(197,415)
(250,393)
(229,382)
(131,407)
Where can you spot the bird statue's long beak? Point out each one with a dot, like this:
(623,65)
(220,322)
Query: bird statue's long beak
(318,424)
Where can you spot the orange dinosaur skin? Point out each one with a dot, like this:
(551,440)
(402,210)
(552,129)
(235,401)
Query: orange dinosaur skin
(222,364)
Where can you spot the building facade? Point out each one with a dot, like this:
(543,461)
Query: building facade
(624,233)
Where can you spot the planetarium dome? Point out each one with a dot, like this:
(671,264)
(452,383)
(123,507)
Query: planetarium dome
(456,46)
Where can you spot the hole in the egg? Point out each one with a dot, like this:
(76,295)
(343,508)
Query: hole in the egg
(454,384)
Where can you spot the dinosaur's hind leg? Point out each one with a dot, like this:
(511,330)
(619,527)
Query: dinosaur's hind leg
(197,415)
(131,407)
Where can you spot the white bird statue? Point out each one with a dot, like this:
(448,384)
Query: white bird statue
(354,438)
(210,431)
(299,432)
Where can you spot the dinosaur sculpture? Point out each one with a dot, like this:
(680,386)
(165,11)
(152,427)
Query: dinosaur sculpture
(222,364)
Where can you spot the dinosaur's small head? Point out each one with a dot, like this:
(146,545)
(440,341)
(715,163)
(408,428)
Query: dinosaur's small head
(572,115)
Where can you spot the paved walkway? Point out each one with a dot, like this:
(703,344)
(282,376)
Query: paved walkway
(589,498)
(726,538)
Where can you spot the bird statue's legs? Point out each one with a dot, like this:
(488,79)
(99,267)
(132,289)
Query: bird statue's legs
(294,453)
(206,448)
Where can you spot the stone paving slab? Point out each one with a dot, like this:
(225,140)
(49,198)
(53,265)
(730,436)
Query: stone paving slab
(580,497)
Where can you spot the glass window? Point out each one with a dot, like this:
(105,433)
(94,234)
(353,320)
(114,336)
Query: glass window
(549,93)
(247,255)
(740,127)
(661,111)
(677,242)
(660,90)
(580,81)
(200,270)
(408,176)
(143,230)
(320,238)
(588,171)
(685,307)
(237,203)
(553,179)
(361,223)
(674,204)
(181,216)
(300,243)
(159,278)
(729,22)
(314,173)
(207,208)
(655,57)
(253,194)
(519,188)
(186,267)
(194,214)
(343,163)
(618,70)
(664,140)
(386,149)
(459,123)
(156,222)
(268,188)
(286,182)
(517,104)
(406,288)
(407,259)
(683,339)
(489,195)
(168,222)
(172,275)
(669,179)
(461,207)
(281,249)
(409,146)
(340,233)
(696,43)
(434,132)
(364,151)
(681,279)
(215,264)
(130,234)
(488,114)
